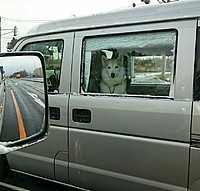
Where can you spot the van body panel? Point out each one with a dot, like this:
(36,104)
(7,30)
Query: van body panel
(107,156)
(196,119)
(117,138)
(194,181)
(161,119)
(39,155)
(185,61)
(61,167)
(194,175)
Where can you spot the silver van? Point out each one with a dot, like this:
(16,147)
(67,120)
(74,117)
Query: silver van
(124,91)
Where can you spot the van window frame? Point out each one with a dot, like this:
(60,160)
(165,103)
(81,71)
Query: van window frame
(129,33)
(61,61)
(196,90)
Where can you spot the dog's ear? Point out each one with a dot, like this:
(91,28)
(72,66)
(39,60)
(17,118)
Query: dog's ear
(104,60)
(120,58)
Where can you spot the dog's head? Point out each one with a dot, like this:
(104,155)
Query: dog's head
(113,66)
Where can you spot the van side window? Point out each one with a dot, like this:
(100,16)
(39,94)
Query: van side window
(52,51)
(136,64)
(197,69)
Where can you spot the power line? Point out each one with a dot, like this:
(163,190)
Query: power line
(24,20)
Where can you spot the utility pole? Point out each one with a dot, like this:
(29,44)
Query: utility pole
(14,31)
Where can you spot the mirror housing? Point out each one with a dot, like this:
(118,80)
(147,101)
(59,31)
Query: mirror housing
(24,116)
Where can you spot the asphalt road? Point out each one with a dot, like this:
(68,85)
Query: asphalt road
(29,96)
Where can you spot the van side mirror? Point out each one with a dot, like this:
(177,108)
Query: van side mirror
(23,100)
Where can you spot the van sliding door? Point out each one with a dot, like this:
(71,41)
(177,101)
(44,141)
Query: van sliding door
(130,107)
(194,180)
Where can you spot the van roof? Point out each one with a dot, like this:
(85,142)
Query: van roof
(151,13)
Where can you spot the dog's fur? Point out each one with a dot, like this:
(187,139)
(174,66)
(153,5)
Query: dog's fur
(113,76)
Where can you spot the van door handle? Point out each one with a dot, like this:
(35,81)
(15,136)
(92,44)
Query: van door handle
(81,115)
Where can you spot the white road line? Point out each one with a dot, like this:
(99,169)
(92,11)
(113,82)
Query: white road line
(36,99)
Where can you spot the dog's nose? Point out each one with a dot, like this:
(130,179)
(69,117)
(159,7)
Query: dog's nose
(112,75)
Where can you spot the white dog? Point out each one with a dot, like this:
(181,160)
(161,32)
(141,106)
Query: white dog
(113,76)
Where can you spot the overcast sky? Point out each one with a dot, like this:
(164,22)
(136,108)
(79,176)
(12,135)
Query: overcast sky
(27,13)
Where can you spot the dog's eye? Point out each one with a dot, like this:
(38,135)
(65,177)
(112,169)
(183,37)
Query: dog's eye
(116,67)
(109,67)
